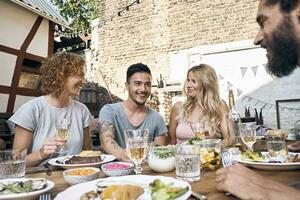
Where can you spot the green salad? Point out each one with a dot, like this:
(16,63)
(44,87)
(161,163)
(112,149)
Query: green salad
(162,191)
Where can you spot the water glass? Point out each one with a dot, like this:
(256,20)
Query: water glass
(248,133)
(210,153)
(137,146)
(12,163)
(187,163)
(276,146)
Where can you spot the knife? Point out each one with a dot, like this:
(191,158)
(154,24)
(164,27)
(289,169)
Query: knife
(199,196)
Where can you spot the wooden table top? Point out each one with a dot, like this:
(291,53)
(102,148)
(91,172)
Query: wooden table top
(206,185)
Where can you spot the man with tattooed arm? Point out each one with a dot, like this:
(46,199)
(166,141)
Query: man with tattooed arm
(131,114)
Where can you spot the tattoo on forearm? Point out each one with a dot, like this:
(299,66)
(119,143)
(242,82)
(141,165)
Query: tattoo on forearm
(107,128)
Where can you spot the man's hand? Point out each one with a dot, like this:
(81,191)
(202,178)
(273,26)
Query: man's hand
(241,182)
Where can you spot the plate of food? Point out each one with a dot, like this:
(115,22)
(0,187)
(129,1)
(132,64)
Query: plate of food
(84,159)
(20,188)
(140,187)
(262,161)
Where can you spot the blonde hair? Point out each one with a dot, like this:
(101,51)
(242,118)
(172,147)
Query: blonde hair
(55,70)
(208,97)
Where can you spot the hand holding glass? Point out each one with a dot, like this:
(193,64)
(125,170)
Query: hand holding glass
(137,146)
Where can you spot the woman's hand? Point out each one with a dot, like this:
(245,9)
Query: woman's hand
(50,146)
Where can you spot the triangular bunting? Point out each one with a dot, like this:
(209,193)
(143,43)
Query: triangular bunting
(254,69)
(243,70)
(220,77)
(239,92)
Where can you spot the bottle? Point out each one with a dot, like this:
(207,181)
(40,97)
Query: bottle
(234,116)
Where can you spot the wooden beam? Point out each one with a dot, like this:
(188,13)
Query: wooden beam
(34,57)
(9,50)
(30,70)
(51,39)
(19,63)
(32,33)
(29,92)
(4,89)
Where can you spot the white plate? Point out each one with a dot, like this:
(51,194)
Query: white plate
(49,186)
(105,158)
(271,166)
(76,191)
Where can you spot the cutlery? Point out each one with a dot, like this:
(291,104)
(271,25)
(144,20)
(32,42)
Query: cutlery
(45,196)
(198,195)
(226,159)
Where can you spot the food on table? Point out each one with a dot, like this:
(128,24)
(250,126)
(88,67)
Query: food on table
(195,140)
(116,165)
(83,160)
(293,158)
(117,168)
(89,195)
(22,186)
(162,159)
(122,192)
(277,133)
(252,156)
(202,135)
(90,153)
(210,158)
(162,191)
(81,172)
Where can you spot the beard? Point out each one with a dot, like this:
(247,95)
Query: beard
(284,46)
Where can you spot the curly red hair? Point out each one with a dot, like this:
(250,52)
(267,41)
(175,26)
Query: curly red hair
(55,70)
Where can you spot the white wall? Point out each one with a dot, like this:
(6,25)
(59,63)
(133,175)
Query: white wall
(7,66)
(20,100)
(3,102)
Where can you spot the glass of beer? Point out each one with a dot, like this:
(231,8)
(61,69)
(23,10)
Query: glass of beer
(137,146)
(62,132)
(248,133)
(199,130)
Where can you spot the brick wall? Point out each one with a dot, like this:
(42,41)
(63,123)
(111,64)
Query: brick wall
(152,29)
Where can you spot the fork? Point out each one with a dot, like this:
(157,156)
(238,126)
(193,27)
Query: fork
(226,159)
(45,196)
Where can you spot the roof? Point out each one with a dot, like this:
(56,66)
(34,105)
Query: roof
(45,9)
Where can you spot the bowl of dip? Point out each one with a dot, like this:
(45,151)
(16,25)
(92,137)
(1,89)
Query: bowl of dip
(162,158)
(117,168)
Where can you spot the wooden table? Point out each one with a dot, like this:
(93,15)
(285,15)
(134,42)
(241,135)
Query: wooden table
(206,185)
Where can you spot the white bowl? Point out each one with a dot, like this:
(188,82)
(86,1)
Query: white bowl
(162,158)
(75,179)
(117,168)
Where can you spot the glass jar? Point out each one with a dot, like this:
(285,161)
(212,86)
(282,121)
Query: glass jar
(210,153)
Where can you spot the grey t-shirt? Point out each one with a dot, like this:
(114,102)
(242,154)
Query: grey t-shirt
(39,117)
(114,113)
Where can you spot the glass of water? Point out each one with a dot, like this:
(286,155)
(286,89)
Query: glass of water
(248,133)
(12,163)
(187,163)
(276,146)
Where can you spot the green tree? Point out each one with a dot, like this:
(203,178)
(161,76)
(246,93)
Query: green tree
(78,12)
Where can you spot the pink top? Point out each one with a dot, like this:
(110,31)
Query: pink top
(184,131)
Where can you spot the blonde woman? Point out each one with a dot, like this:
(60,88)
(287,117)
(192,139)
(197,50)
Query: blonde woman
(202,105)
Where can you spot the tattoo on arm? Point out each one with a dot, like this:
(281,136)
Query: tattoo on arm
(107,133)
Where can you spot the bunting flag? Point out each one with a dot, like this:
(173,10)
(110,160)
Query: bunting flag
(243,70)
(229,85)
(239,92)
(254,70)
(220,77)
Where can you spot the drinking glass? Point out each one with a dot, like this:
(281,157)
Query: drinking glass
(62,132)
(12,163)
(210,153)
(277,148)
(199,129)
(187,162)
(137,146)
(248,133)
